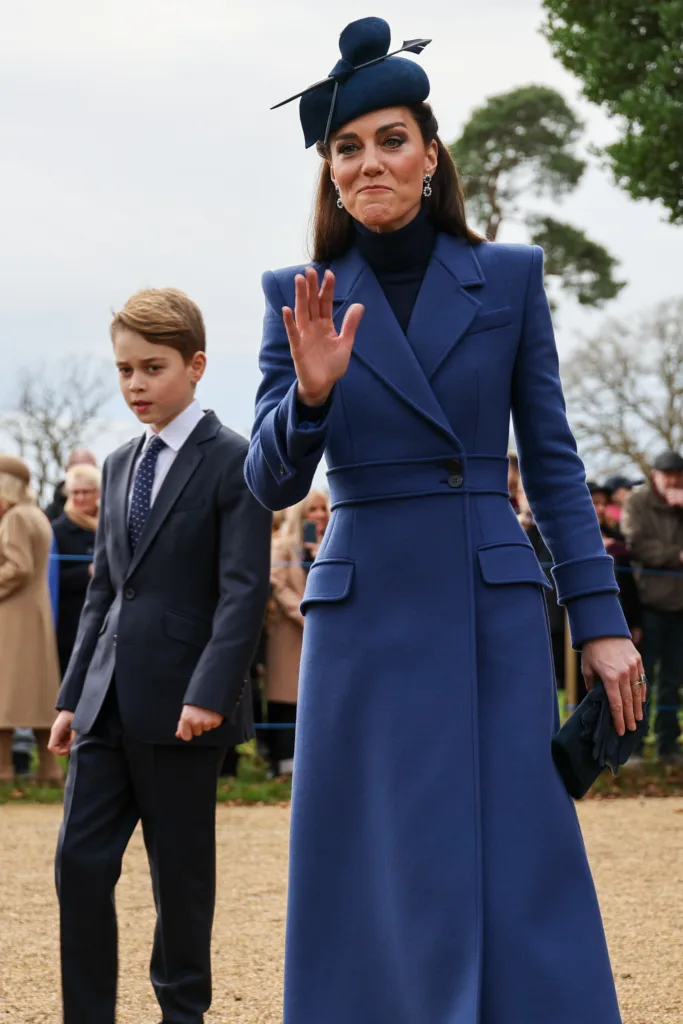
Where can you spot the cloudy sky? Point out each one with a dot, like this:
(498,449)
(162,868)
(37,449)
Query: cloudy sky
(138,150)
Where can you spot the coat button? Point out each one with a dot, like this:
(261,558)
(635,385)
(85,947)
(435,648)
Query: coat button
(282,470)
(129,593)
(455,477)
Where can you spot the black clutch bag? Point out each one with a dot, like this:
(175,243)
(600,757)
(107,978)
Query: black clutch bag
(588,743)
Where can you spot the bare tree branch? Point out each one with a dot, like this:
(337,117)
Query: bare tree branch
(624,388)
(55,410)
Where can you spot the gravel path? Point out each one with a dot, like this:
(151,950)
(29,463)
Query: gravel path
(637,840)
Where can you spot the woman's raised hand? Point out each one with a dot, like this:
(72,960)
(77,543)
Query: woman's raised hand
(321,355)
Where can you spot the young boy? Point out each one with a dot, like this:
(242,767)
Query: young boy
(155,689)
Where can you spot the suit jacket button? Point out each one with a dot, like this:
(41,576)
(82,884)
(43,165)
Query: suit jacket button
(282,470)
(129,593)
(455,480)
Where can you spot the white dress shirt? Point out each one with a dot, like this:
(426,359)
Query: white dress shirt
(174,436)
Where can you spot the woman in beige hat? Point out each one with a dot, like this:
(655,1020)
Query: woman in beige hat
(29,672)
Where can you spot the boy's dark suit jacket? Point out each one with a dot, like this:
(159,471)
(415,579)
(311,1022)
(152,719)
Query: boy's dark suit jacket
(177,622)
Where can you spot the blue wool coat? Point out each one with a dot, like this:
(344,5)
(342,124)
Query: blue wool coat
(437,874)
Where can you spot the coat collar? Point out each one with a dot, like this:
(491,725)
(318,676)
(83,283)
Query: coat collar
(443,312)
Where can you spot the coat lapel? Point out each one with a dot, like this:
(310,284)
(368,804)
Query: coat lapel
(445,307)
(184,466)
(380,343)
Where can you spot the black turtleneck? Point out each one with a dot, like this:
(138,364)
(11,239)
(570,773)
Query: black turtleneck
(399,260)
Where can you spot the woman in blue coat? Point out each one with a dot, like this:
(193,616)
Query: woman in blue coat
(437,873)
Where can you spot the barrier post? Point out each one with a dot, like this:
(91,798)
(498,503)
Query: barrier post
(571,689)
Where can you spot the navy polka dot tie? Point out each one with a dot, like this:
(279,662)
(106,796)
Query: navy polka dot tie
(142,491)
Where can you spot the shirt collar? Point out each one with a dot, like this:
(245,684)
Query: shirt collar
(179,429)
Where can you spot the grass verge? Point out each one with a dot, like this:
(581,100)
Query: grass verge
(252,786)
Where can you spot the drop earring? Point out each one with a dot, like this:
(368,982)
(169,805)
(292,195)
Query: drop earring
(427,186)
(340,204)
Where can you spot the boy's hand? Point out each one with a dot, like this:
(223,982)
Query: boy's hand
(62,735)
(194,721)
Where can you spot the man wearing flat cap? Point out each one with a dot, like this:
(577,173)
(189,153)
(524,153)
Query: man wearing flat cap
(653,526)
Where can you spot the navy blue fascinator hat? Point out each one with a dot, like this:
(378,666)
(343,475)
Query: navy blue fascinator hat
(366,78)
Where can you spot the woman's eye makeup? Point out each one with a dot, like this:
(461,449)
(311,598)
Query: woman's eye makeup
(394,141)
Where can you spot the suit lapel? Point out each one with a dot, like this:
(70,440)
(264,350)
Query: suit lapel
(445,307)
(121,483)
(380,343)
(184,466)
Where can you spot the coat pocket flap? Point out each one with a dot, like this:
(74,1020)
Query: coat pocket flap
(188,630)
(511,563)
(328,580)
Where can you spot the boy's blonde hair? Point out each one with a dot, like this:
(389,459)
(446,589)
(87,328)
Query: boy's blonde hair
(164,316)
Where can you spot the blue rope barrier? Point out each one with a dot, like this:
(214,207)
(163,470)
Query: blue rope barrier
(71,558)
(276,725)
(545,565)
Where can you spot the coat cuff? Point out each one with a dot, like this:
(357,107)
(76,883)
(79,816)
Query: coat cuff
(595,616)
(286,439)
(581,577)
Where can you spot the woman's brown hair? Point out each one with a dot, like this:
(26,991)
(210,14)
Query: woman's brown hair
(332,228)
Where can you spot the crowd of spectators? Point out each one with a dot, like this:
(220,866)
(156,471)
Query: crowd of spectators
(44,576)
(641,522)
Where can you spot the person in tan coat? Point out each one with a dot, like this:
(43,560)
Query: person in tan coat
(29,669)
(295,546)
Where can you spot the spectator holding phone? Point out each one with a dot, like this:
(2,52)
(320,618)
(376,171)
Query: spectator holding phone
(295,547)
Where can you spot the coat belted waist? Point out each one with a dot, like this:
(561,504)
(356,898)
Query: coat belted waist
(412,478)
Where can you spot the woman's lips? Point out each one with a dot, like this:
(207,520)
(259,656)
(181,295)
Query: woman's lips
(141,406)
(375,188)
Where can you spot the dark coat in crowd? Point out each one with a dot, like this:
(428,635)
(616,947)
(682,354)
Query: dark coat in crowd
(556,616)
(628,588)
(74,577)
(654,533)
(56,507)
